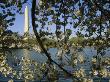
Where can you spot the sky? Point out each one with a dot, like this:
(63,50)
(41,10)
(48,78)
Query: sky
(19,22)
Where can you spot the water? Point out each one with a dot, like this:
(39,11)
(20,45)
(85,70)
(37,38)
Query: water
(41,58)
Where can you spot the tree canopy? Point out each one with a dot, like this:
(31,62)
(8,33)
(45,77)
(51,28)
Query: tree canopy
(59,20)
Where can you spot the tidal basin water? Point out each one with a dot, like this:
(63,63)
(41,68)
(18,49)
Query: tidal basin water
(88,53)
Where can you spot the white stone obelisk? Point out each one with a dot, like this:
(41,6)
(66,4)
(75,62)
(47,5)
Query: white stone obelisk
(26,20)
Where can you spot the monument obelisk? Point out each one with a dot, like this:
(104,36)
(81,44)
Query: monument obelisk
(26,23)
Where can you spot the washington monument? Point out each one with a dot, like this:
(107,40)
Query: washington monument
(26,20)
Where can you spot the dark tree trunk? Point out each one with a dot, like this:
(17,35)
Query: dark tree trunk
(39,40)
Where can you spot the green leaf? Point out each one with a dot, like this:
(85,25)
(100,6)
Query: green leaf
(74,17)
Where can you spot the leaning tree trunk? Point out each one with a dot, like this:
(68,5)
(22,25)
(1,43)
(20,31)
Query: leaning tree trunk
(39,40)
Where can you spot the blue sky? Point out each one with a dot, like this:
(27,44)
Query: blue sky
(19,22)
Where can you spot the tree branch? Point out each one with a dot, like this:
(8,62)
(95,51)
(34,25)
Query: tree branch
(39,40)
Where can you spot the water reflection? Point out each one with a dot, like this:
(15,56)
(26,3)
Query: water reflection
(24,60)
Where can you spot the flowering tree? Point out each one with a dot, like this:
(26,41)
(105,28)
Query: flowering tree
(89,20)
